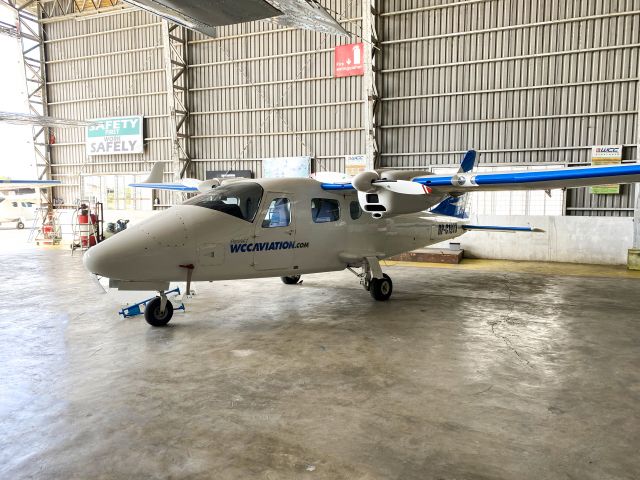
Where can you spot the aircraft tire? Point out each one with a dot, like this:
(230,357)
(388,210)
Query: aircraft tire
(20,226)
(381,288)
(292,280)
(152,313)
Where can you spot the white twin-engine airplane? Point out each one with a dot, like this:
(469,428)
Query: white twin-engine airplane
(287,227)
(17,208)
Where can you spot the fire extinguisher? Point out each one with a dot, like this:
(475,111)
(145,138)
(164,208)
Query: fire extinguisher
(87,225)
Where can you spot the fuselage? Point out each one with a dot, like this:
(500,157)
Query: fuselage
(267,228)
(16,208)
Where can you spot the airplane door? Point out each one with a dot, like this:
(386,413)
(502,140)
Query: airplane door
(275,233)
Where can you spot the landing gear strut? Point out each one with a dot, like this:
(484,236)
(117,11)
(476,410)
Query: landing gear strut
(158,311)
(378,284)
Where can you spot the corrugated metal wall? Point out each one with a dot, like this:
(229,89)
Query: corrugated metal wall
(105,66)
(522,81)
(258,91)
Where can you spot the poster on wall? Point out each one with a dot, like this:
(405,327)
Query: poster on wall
(606,155)
(354,164)
(348,60)
(280,167)
(115,136)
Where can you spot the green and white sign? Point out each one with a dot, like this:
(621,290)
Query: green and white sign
(115,136)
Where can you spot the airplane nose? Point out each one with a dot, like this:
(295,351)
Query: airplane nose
(147,251)
(99,258)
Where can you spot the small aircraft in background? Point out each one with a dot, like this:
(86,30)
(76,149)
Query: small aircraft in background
(287,227)
(18,207)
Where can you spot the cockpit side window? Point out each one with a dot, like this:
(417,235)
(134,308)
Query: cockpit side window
(278,214)
(240,200)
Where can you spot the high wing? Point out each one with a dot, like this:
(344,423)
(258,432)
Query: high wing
(536,180)
(15,184)
(395,192)
(205,15)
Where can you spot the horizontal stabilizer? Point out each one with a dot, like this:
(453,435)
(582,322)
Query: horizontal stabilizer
(498,228)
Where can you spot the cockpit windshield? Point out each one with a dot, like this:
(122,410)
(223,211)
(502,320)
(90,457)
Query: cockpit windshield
(240,200)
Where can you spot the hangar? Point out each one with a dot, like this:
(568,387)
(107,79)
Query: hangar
(499,367)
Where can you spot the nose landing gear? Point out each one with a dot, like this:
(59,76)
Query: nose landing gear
(158,311)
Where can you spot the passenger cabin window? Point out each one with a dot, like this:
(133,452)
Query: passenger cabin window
(278,214)
(325,210)
(355,210)
(240,200)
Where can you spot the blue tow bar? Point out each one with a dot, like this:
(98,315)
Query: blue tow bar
(135,309)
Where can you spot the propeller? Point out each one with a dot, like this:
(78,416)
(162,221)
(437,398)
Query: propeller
(368,182)
(405,187)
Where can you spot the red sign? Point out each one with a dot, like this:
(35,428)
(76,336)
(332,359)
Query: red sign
(348,60)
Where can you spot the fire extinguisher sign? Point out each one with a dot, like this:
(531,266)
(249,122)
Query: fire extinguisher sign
(348,60)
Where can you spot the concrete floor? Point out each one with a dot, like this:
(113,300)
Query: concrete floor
(464,374)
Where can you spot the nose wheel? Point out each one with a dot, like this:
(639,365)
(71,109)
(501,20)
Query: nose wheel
(158,311)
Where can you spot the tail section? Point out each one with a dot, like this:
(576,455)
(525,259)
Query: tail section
(468,162)
(452,207)
(457,206)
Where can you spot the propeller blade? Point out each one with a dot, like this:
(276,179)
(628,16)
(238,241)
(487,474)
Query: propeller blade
(405,187)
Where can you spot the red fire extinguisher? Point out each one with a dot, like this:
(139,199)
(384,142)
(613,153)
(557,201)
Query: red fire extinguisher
(87,223)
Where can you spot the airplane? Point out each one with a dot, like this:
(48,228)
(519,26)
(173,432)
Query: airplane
(288,227)
(18,207)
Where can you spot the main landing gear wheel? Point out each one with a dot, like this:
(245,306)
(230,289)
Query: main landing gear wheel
(381,288)
(20,225)
(292,280)
(152,313)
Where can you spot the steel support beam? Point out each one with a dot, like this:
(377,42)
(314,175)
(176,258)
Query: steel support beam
(31,36)
(636,213)
(175,54)
(369,88)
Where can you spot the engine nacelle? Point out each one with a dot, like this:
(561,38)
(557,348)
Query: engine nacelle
(378,200)
(381,202)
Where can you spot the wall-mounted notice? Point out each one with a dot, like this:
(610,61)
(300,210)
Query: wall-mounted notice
(355,164)
(606,155)
(348,60)
(115,136)
(280,167)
